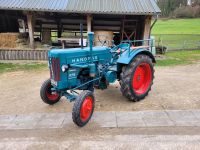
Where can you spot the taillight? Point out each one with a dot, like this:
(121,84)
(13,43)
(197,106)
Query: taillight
(55,69)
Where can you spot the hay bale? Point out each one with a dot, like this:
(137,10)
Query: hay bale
(19,41)
(103,38)
(12,40)
(8,40)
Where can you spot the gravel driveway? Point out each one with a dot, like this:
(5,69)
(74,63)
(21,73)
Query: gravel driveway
(175,88)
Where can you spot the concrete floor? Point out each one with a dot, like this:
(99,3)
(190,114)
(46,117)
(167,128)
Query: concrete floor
(145,119)
(183,138)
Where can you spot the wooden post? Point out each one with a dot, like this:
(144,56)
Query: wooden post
(23,26)
(40,31)
(89,23)
(46,36)
(122,31)
(59,28)
(147,28)
(30,20)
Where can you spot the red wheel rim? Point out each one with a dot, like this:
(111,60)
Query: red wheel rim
(86,108)
(142,78)
(52,96)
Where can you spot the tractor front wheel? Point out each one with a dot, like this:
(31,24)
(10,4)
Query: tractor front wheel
(137,78)
(47,95)
(83,108)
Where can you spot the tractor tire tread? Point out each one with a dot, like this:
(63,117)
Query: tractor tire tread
(77,107)
(125,77)
(43,94)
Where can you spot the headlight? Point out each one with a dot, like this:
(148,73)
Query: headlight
(64,68)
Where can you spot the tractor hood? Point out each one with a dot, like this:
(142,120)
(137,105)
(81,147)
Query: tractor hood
(78,55)
(72,51)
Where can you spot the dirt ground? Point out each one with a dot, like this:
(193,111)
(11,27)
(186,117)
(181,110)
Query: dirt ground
(174,88)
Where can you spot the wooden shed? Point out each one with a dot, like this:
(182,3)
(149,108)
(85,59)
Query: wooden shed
(127,19)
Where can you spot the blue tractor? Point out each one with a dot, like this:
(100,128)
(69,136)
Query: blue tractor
(83,69)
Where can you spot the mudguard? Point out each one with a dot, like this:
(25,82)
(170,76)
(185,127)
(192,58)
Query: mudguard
(127,57)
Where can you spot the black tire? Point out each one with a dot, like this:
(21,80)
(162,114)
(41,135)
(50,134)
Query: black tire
(127,78)
(77,117)
(46,94)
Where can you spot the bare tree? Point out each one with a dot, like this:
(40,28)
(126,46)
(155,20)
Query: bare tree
(168,6)
(189,2)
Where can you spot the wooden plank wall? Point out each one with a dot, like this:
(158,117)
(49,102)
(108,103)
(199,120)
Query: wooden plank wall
(23,55)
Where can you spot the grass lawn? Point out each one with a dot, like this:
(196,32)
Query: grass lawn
(180,58)
(9,67)
(177,26)
(178,41)
(178,34)
(171,59)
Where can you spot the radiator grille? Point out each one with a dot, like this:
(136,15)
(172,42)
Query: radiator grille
(55,69)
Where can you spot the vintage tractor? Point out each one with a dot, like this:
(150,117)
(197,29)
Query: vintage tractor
(83,69)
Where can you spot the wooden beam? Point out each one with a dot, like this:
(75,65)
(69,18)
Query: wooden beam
(122,30)
(73,27)
(147,27)
(30,20)
(89,23)
(23,26)
(50,26)
(59,30)
(46,36)
(40,30)
(107,28)
(104,22)
(73,21)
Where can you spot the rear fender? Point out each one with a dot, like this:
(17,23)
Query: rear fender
(127,58)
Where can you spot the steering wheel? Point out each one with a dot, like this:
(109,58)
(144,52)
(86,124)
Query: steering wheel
(103,42)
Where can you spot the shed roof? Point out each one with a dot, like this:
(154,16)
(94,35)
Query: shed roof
(138,7)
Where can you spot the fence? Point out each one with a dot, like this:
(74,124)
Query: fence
(178,41)
(171,41)
(23,55)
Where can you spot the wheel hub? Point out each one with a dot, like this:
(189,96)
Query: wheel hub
(50,94)
(138,78)
(86,108)
(141,79)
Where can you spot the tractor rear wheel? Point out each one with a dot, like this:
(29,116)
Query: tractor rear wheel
(47,95)
(83,108)
(137,78)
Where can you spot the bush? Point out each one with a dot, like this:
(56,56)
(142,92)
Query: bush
(186,12)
